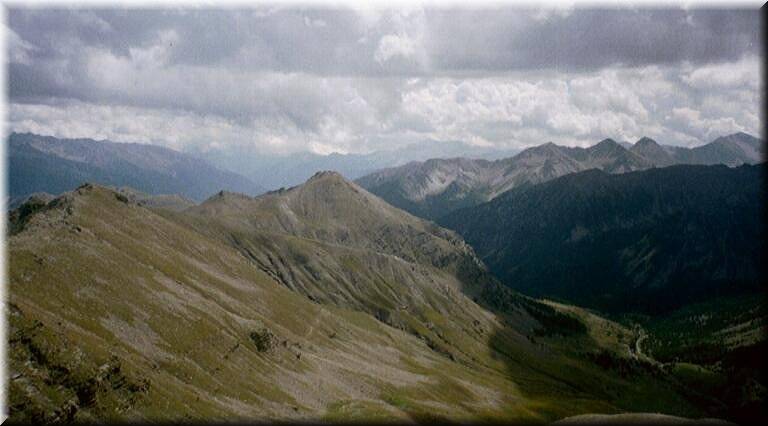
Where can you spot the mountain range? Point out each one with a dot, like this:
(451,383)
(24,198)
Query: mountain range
(430,185)
(436,187)
(318,301)
(150,295)
(51,165)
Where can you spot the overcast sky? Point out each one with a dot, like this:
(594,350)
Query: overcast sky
(291,79)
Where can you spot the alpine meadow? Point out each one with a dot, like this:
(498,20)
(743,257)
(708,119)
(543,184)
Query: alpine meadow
(356,213)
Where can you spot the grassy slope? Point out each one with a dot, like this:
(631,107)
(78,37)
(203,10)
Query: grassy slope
(119,312)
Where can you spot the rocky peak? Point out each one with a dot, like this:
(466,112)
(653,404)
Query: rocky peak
(646,142)
(547,148)
(608,142)
(736,138)
(326,174)
(606,146)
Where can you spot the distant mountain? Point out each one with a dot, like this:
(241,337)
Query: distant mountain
(655,154)
(647,242)
(434,188)
(274,172)
(47,164)
(732,150)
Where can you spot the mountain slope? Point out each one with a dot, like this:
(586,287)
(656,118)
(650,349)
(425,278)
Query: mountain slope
(180,322)
(435,188)
(47,164)
(337,243)
(331,209)
(120,311)
(644,241)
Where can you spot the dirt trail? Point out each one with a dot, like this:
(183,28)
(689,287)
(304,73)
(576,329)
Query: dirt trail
(636,349)
(638,344)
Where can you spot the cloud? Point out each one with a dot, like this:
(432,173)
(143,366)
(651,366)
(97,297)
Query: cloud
(693,124)
(394,45)
(584,39)
(578,109)
(451,41)
(314,23)
(174,129)
(744,73)
(354,80)
(19,50)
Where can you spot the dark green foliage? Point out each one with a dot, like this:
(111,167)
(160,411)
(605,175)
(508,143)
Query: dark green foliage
(695,334)
(625,367)
(647,241)
(263,339)
(554,323)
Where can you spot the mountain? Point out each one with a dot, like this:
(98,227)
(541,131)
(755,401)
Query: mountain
(47,164)
(434,188)
(648,241)
(274,172)
(315,302)
(732,150)
(657,155)
(342,221)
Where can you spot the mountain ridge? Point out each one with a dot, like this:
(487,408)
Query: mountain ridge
(48,164)
(437,187)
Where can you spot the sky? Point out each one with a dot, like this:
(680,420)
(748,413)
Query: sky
(283,79)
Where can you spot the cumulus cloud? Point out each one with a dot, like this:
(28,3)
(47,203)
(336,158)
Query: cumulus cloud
(743,73)
(355,80)
(394,45)
(581,108)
